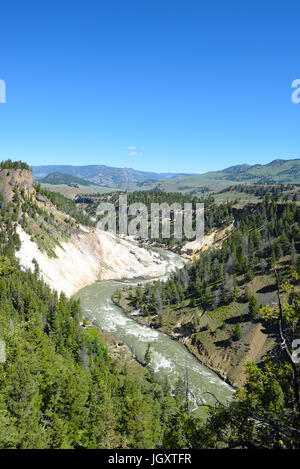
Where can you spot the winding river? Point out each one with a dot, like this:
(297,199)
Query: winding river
(168,357)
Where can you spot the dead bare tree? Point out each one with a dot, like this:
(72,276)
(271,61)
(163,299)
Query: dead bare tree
(284,347)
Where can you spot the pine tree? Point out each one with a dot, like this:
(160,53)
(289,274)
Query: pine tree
(147,357)
(237,333)
(253,308)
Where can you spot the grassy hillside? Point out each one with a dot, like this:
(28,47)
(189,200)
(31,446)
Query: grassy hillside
(278,171)
(71,191)
(61,178)
(254,193)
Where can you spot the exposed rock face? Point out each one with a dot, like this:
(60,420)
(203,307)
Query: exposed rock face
(22,178)
(87,257)
(214,239)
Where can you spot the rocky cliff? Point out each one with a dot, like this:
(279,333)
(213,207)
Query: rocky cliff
(21,179)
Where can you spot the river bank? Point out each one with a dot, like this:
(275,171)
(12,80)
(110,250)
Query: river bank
(124,303)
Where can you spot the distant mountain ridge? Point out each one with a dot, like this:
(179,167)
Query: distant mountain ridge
(277,171)
(104,175)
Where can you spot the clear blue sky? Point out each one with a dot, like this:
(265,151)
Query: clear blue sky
(155,85)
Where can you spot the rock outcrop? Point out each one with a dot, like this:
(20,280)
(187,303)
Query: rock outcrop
(21,178)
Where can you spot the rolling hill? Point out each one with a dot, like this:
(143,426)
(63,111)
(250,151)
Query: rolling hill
(57,178)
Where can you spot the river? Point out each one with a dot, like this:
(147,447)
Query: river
(168,357)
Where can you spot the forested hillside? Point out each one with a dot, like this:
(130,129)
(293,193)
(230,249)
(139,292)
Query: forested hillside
(257,243)
(215,215)
(58,386)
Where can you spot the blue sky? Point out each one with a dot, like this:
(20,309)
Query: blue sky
(185,86)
